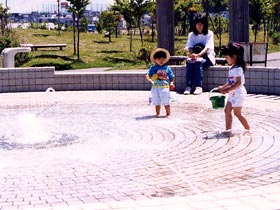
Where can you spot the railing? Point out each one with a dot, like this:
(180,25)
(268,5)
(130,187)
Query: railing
(255,52)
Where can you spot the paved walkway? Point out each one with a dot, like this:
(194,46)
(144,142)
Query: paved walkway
(101,150)
(273,59)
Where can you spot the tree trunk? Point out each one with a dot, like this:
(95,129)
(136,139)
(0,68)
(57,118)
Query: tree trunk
(58,16)
(110,40)
(220,34)
(264,30)
(74,33)
(184,26)
(116,31)
(153,30)
(165,25)
(255,34)
(2,27)
(78,39)
(130,33)
(239,20)
(140,31)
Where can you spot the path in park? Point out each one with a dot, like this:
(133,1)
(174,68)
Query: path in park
(273,59)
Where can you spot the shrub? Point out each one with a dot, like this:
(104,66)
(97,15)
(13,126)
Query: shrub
(5,42)
(22,58)
(276,38)
(181,52)
(11,41)
(144,55)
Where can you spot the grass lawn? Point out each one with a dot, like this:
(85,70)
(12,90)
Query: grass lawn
(95,50)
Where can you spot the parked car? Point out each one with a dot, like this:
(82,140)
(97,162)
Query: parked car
(91,28)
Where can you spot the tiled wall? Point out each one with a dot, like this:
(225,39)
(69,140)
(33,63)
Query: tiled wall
(26,79)
(258,79)
(101,81)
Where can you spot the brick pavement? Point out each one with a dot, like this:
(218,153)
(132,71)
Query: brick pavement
(105,150)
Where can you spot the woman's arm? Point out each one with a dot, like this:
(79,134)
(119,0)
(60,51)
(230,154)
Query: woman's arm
(203,52)
(209,44)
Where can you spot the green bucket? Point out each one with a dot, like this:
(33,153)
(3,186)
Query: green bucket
(218,101)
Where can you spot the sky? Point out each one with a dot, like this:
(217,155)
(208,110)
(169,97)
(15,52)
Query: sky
(25,6)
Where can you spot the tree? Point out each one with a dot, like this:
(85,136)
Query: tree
(184,11)
(267,17)
(84,24)
(109,21)
(275,15)
(153,11)
(71,9)
(3,19)
(257,13)
(218,6)
(123,7)
(133,11)
(77,7)
(272,20)
(139,8)
(58,16)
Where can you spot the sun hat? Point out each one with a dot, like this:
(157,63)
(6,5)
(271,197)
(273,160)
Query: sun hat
(158,50)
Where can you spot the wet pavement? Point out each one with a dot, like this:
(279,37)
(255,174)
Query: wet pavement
(105,150)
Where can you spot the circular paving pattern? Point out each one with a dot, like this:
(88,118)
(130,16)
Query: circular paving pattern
(99,146)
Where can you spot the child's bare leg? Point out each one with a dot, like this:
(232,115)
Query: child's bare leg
(157,110)
(167,108)
(228,116)
(241,118)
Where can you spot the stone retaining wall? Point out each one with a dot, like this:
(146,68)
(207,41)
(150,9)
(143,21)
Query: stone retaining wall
(259,80)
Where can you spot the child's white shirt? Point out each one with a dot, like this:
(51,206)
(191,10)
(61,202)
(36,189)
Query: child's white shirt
(233,73)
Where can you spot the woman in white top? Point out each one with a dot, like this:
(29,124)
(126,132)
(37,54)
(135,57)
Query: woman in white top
(200,45)
(234,53)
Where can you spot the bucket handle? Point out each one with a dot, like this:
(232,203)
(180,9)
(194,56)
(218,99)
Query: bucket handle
(212,91)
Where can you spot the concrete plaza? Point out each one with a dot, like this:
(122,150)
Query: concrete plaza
(101,150)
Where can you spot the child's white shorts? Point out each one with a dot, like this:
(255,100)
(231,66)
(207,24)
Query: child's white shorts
(160,96)
(237,100)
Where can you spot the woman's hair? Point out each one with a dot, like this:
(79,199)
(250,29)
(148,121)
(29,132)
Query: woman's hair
(200,18)
(234,48)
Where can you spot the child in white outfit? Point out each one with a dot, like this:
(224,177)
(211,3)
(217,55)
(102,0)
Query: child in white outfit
(234,53)
(236,97)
